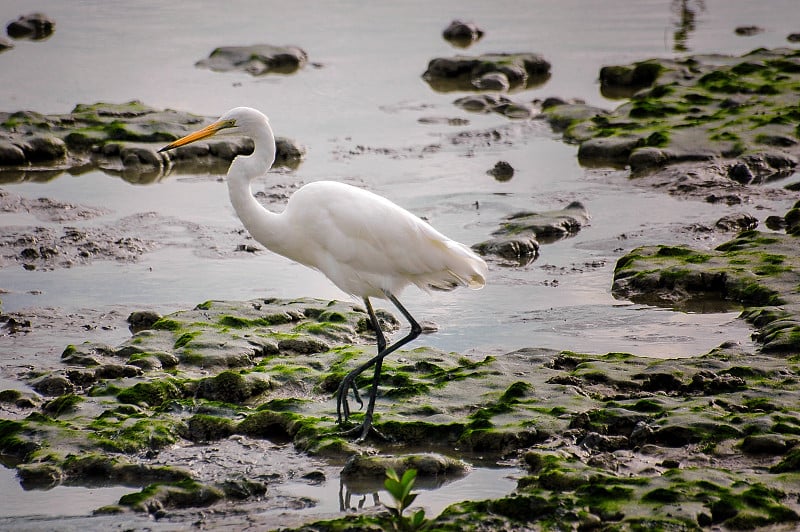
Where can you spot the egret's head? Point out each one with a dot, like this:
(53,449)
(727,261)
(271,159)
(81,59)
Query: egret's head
(238,121)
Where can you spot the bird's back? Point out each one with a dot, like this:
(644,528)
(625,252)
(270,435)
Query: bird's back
(366,244)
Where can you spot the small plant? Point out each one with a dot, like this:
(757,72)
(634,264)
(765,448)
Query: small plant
(400,490)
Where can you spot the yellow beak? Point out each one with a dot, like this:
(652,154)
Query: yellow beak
(206,132)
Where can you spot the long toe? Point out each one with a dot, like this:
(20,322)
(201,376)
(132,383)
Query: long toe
(364,431)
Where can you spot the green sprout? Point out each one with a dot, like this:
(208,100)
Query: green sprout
(400,490)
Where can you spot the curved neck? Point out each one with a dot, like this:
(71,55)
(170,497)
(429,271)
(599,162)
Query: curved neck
(262,224)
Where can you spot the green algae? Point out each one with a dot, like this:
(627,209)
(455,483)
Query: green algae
(62,405)
(181,494)
(690,108)
(185,338)
(151,394)
(10,441)
(167,324)
(264,321)
(594,407)
(137,435)
(205,428)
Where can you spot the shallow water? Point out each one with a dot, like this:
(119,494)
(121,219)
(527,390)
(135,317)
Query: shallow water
(366,90)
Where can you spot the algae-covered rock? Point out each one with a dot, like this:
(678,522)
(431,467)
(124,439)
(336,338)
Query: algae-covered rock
(120,139)
(519,237)
(731,121)
(428,465)
(605,440)
(522,70)
(257,60)
(462,34)
(34,26)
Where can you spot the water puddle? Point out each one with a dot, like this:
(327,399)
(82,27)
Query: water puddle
(59,500)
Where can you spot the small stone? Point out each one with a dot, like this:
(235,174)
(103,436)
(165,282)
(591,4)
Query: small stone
(35,26)
(771,444)
(44,149)
(11,154)
(462,34)
(54,385)
(493,81)
(748,31)
(502,171)
(740,173)
(143,319)
(741,221)
(315,477)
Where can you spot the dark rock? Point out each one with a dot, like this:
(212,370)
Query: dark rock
(231,387)
(35,26)
(661,382)
(44,149)
(116,371)
(748,31)
(428,465)
(242,489)
(288,151)
(82,378)
(502,171)
(604,443)
(462,34)
(10,396)
(647,158)
(140,320)
(53,385)
(522,250)
(740,221)
(515,110)
(519,237)
(604,150)
(793,37)
(85,354)
(553,101)
(771,444)
(11,154)
(39,475)
(492,81)
(161,497)
(126,137)
(482,103)
(303,345)
(133,156)
(776,223)
(712,384)
(203,428)
(547,226)
(314,477)
(624,81)
(257,60)
(740,173)
(462,72)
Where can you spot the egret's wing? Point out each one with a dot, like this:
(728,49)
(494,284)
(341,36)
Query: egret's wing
(360,238)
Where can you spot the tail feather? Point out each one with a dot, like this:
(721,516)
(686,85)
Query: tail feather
(463,268)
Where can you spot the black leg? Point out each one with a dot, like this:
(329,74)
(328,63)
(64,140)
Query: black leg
(377,361)
(342,407)
(413,333)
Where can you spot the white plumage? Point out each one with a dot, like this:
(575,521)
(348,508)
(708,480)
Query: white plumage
(365,244)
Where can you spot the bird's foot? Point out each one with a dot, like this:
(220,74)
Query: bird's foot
(342,405)
(364,430)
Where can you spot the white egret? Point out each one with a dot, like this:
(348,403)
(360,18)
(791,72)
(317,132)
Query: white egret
(365,244)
